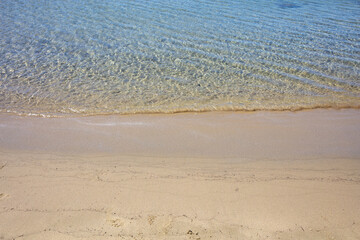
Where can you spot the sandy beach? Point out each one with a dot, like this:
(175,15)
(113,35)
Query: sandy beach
(179,120)
(261,175)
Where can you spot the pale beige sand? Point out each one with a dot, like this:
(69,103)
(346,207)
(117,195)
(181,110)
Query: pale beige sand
(203,176)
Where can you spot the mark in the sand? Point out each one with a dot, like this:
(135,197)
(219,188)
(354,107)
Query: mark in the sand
(2,166)
(3,195)
(192,233)
(151,219)
(117,222)
(182,226)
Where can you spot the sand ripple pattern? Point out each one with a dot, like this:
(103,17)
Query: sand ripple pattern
(104,57)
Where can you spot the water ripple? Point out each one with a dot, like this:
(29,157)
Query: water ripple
(103,57)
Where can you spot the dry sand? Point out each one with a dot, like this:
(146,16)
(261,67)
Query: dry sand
(259,175)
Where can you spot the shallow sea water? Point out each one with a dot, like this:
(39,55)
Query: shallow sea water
(145,56)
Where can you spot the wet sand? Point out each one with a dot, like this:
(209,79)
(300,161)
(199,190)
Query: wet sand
(264,175)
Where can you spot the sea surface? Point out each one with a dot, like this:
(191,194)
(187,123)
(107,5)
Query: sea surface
(90,57)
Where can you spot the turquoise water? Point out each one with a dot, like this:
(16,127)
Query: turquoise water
(107,56)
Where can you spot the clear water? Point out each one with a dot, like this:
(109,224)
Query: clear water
(131,56)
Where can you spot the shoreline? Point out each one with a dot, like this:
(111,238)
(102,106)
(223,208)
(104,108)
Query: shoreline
(273,135)
(156,113)
(285,175)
